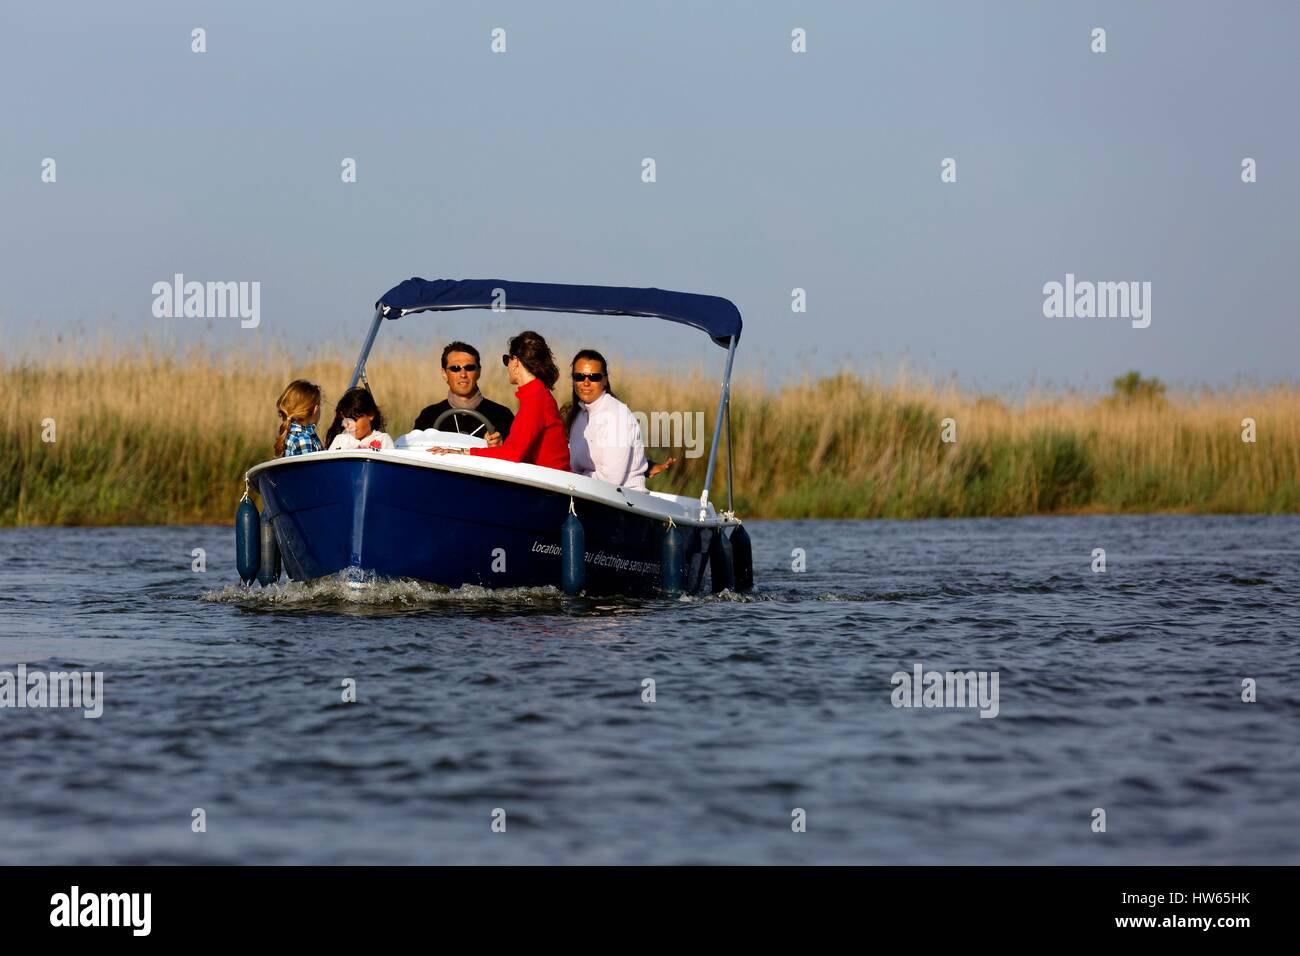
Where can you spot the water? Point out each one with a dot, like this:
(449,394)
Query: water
(1119,691)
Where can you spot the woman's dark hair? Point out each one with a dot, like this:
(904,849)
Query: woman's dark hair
(570,411)
(355,402)
(531,349)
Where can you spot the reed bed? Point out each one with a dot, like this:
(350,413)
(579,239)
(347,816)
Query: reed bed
(146,437)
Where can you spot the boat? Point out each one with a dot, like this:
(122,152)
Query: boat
(457,520)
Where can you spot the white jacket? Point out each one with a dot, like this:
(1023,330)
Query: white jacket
(345,442)
(605,442)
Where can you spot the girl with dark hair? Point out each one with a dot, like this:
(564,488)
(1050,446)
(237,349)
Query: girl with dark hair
(537,433)
(358,423)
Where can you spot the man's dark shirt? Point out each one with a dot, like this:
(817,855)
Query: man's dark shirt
(500,416)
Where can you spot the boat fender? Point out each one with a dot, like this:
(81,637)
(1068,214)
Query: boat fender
(672,560)
(573,554)
(248,540)
(268,571)
(696,557)
(722,570)
(742,556)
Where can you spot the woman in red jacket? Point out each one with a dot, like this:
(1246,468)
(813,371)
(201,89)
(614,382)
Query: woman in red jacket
(537,433)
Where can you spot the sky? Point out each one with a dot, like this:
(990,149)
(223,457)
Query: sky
(774,170)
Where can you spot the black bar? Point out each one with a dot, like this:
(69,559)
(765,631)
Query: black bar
(919,905)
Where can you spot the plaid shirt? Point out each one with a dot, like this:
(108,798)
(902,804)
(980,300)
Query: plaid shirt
(302,440)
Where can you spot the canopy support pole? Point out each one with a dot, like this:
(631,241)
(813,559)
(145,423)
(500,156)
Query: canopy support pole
(717,429)
(730,505)
(360,370)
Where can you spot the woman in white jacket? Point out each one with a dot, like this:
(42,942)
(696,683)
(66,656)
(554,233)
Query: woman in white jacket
(605,439)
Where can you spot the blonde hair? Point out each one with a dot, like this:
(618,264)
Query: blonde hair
(296,404)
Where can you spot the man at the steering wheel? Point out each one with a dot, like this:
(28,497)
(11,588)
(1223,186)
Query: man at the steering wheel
(465,410)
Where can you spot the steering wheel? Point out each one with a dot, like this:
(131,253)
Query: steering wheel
(472,413)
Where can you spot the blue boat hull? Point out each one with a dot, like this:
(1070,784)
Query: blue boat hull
(451,528)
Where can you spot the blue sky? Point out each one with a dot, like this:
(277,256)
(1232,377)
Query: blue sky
(775,170)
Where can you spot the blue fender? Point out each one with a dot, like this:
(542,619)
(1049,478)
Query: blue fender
(573,555)
(268,571)
(248,541)
(672,561)
(742,556)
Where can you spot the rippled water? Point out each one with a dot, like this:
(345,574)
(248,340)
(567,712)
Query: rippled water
(1119,691)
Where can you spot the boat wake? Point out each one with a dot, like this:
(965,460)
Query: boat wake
(351,589)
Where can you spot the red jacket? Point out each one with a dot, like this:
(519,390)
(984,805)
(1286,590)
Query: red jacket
(537,434)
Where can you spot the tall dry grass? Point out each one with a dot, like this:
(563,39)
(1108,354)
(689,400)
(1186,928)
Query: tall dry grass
(144,438)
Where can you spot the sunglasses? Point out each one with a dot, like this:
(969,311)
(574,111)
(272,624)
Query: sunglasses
(471,367)
(505,360)
(589,376)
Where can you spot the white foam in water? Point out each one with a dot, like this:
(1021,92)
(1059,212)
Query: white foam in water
(355,587)
(359,588)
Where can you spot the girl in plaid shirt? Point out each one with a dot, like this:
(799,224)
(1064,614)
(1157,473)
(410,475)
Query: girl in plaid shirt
(299,409)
